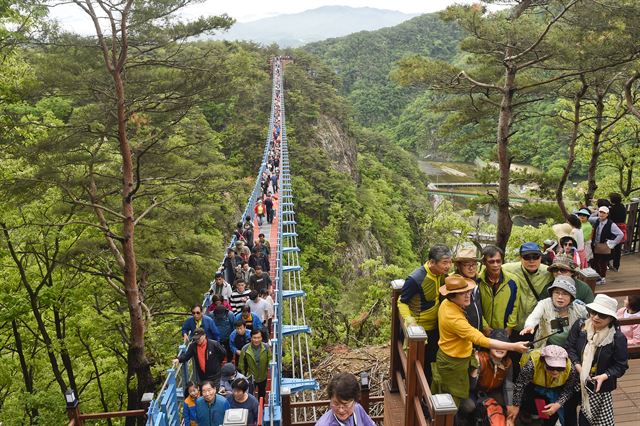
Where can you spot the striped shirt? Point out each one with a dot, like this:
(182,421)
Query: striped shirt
(238,300)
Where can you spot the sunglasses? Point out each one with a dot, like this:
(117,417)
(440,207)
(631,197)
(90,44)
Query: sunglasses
(568,245)
(493,261)
(559,369)
(532,256)
(597,314)
(196,312)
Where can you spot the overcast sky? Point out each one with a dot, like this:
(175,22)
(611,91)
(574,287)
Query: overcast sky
(71,18)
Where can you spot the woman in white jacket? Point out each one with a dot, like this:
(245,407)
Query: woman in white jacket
(558,305)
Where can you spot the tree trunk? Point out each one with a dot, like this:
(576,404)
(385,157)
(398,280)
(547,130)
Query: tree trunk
(64,351)
(504,125)
(595,148)
(26,372)
(137,363)
(572,146)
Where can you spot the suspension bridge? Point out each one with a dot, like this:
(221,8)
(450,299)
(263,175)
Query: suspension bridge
(289,330)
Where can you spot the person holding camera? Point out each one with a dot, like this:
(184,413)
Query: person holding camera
(598,350)
(553,314)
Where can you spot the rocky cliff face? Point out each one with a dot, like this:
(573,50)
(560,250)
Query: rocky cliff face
(338,146)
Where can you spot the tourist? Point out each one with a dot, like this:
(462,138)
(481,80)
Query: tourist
(568,244)
(545,384)
(210,407)
(498,291)
(344,409)
(239,296)
(221,287)
(208,355)
(564,266)
(631,310)
(419,300)
(238,338)
(457,337)
(559,305)
(493,378)
(254,361)
(465,263)
(531,277)
(228,374)
(198,320)
(260,279)
(618,215)
(260,211)
(598,350)
(606,236)
(191,394)
(225,321)
(586,228)
(241,398)
(258,306)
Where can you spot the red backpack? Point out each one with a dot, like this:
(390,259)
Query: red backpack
(490,413)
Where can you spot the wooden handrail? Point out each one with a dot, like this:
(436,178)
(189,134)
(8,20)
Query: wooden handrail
(619,292)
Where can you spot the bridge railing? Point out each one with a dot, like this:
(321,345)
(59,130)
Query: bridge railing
(164,410)
(407,376)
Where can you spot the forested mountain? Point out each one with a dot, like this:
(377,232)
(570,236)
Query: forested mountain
(292,30)
(196,133)
(363,62)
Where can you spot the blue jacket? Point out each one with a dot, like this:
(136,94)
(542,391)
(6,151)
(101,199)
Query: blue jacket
(208,324)
(257,324)
(232,341)
(189,412)
(211,415)
(225,325)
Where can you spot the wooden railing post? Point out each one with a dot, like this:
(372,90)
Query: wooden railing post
(417,338)
(444,408)
(285,393)
(590,277)
(396,286)
(364,391)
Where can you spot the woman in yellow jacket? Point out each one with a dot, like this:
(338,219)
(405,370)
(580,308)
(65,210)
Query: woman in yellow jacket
(455,354)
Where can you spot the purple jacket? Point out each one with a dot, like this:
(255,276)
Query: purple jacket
(361,417)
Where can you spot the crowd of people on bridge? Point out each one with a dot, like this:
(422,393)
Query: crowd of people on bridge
(227,336)
(522,341)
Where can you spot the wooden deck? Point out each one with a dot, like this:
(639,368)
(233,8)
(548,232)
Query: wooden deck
(393,408)
(628,276)
(626,398)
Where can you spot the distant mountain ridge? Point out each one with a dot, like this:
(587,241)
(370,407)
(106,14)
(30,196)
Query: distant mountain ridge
(293,30)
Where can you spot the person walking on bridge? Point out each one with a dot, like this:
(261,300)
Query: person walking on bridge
(419,300)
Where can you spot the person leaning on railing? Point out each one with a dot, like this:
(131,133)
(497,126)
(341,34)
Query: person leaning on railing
(457,337)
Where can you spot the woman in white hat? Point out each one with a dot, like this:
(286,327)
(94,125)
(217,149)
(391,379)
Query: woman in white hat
(606,235)
(457,337)
(558,305)
(598,349)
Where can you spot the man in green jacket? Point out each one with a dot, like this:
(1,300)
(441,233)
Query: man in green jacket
(498,292)
(254,361)
(531,277)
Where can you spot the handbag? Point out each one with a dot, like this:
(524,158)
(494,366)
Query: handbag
(601,248)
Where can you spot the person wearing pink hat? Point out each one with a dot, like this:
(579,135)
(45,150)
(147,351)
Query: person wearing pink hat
(546,383)
(457,337)
(598,350)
